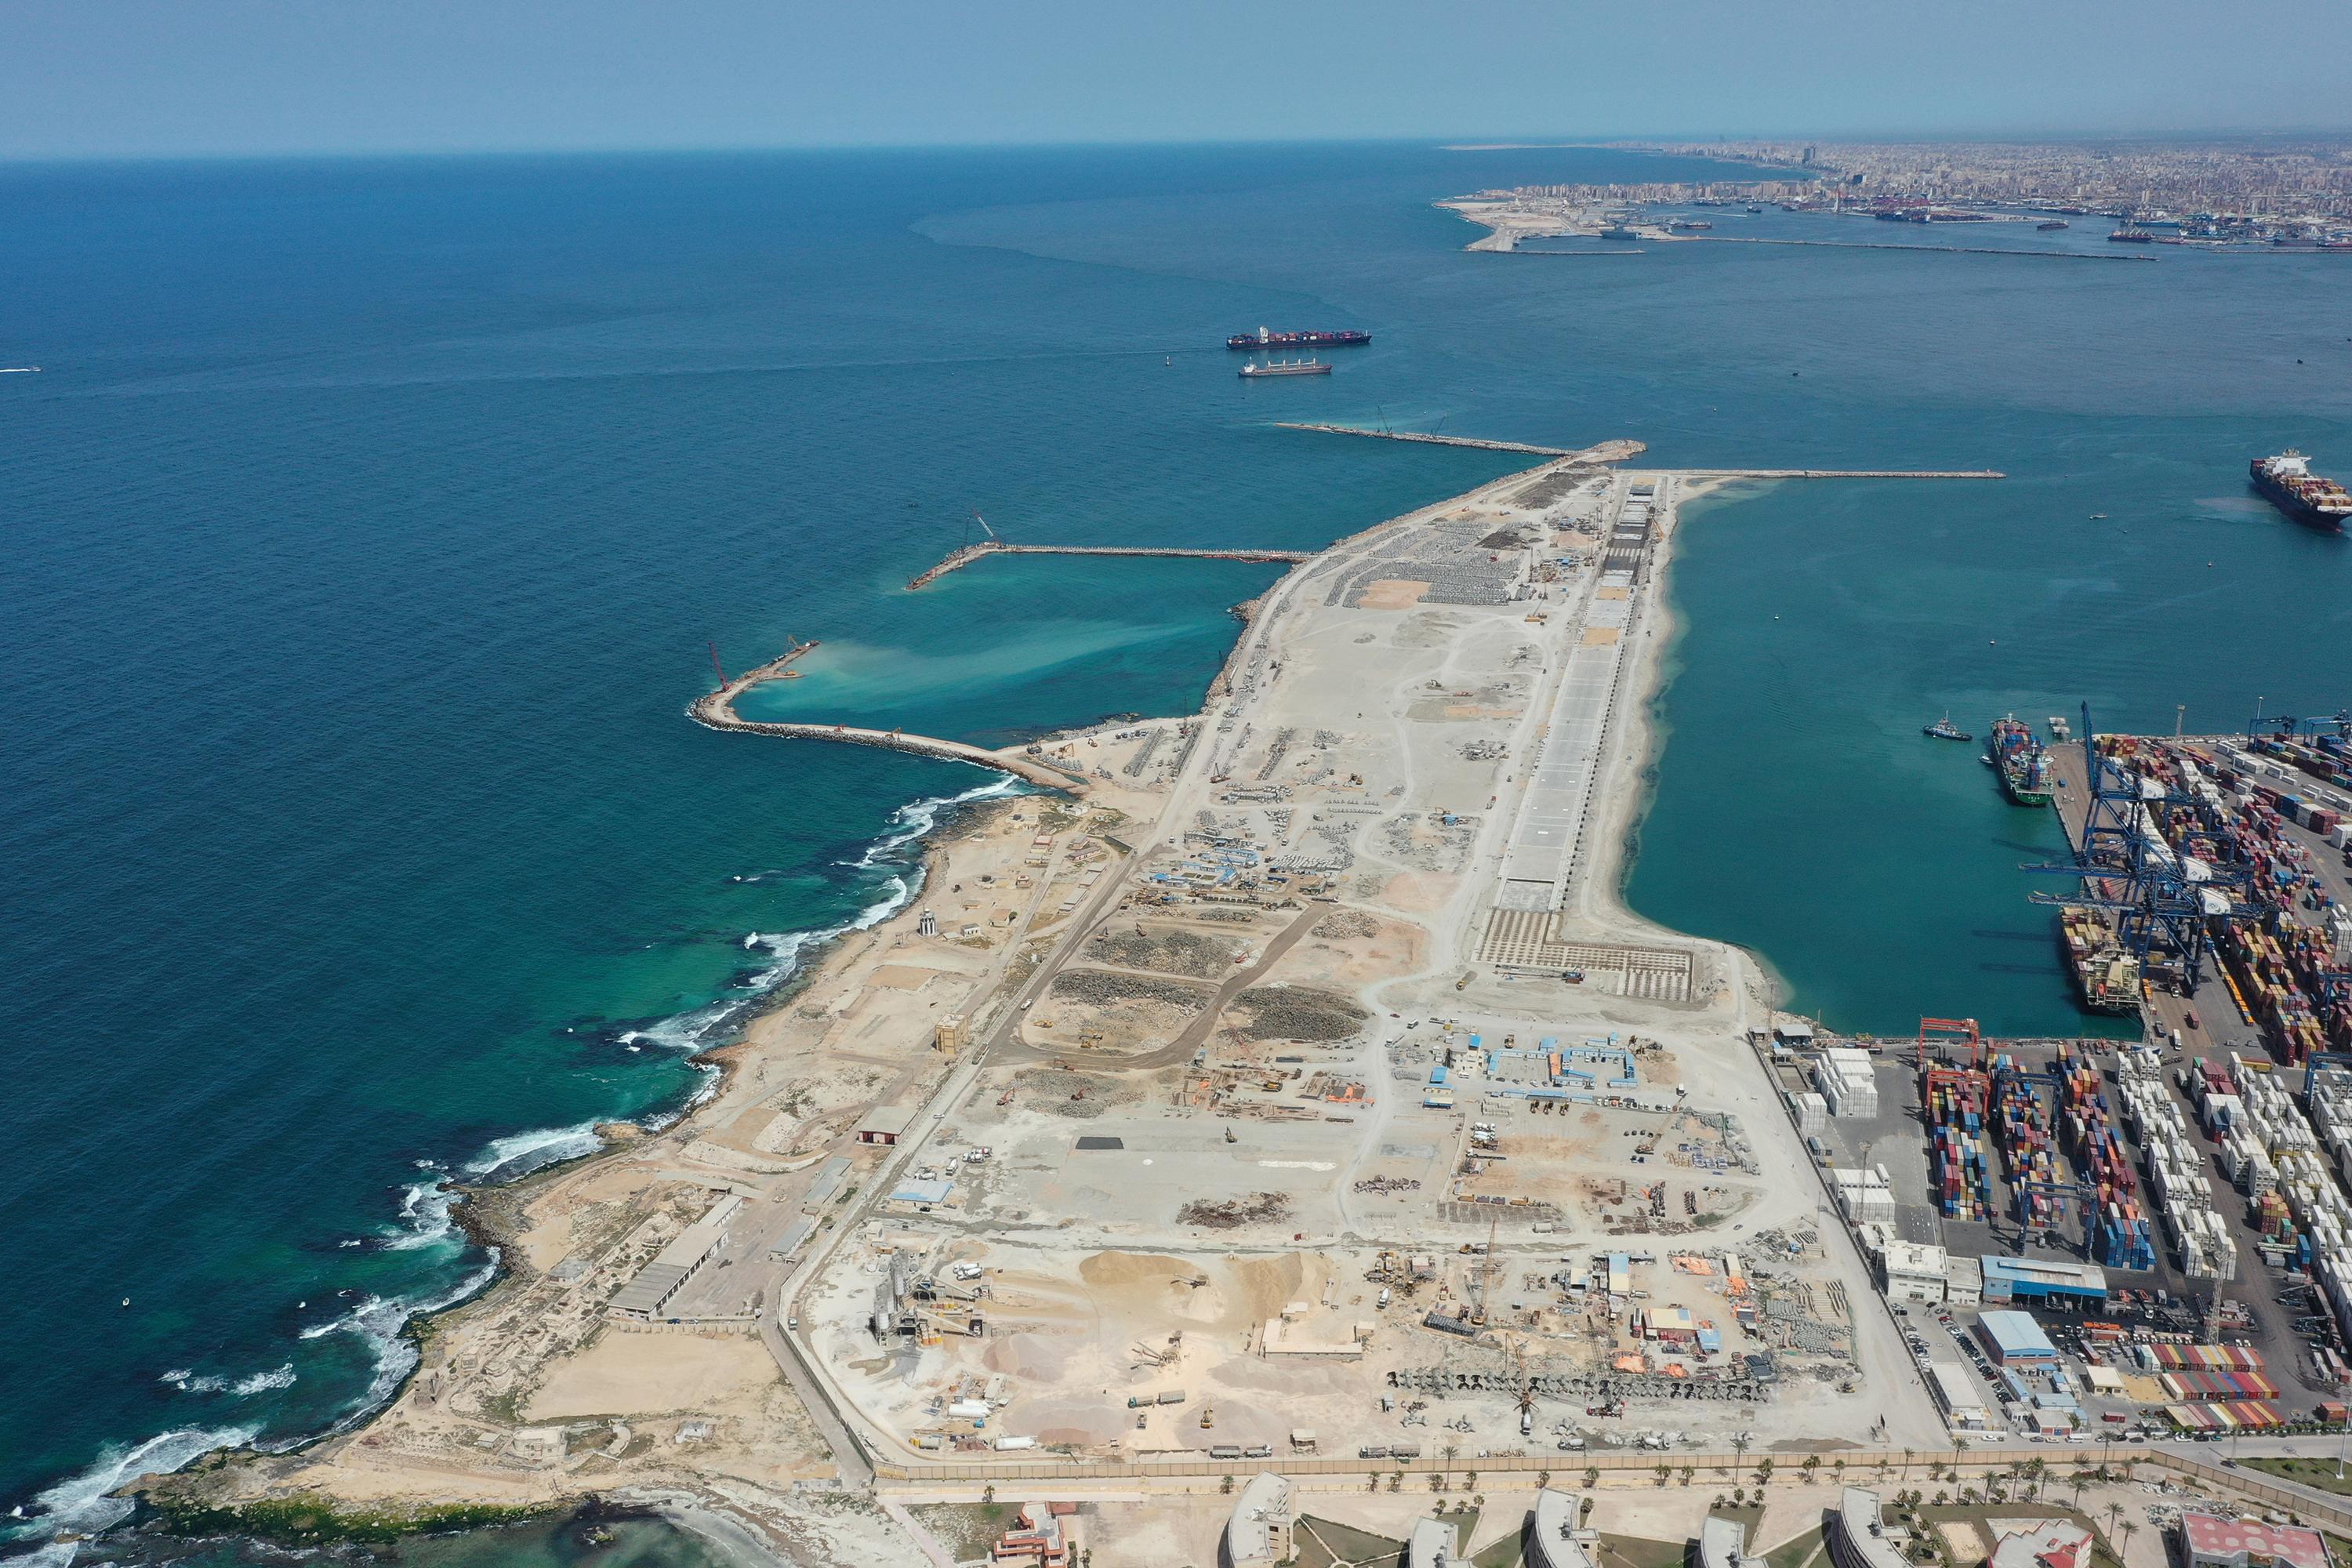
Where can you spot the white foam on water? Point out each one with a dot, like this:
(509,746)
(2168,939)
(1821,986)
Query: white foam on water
(424,1218)
(79,1503)
(379,1320)
(264,1382)
(916,819)
(519,1153)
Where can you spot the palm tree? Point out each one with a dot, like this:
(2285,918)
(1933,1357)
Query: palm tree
(1449,1451)
(1764,1469)
(1396,1481)
(2128,1531)
(1666,1472)
(1592,1476)
(1543,1479)
(1689,1471)
(1811,1467)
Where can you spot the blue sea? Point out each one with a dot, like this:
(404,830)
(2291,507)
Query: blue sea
(369,522)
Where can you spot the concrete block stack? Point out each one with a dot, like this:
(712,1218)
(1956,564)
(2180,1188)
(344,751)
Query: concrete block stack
(1864,1197)
(1847,1082)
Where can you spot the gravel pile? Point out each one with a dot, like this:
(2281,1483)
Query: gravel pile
(1171,953)
(1258,1208)
(1346,925)
(1094,985)
(1300,1013)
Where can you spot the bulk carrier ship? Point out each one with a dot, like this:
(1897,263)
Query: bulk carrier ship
(2019,759)
(2287,482)
(1263,339)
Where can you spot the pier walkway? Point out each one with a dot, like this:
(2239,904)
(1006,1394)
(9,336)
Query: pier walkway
(957,560)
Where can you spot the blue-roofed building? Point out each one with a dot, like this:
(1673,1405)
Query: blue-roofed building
(1710,1340)
(2039,1279)
(2015,1340)
(1437,1074)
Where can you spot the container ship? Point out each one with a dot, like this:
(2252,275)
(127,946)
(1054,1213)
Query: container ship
(1287,367)
(2287,482)
(1265,339)
(2019,759)
(2106,976)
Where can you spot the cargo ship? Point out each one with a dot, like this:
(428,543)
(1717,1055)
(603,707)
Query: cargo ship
(2054,226)
(2019,759)
(1287,367)
(1266,339)
(2287,482)
(2106,976)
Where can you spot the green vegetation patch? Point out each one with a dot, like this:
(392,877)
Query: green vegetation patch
(1797,1552)
(967,1529)
(1327,1544)
(1639,1551)
(2319,1473)
(315,1521)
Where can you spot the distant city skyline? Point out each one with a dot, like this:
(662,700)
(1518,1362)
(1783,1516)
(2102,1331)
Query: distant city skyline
(157,78)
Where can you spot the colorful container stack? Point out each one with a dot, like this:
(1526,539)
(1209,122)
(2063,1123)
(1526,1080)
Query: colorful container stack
(1956,1170)
(2121,1238)
(2236,1415)
(2021,1127)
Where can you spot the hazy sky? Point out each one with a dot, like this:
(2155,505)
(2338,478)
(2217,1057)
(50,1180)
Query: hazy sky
(114,76)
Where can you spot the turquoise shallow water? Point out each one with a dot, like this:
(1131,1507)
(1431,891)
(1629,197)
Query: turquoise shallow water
(371,519)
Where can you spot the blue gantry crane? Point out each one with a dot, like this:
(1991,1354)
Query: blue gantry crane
(2159,899)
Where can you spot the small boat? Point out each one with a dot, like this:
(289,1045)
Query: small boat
(1944,728)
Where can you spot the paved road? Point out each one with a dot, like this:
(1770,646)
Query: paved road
(848,1456)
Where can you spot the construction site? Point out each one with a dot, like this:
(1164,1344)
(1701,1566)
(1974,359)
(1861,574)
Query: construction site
(1350,1102)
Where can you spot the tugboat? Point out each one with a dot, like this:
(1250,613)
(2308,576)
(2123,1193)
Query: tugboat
(2019,759)
(1944,728)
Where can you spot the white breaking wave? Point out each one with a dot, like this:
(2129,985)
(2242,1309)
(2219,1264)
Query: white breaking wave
(264,1382)
(188,1382)
(424,1218)
(79,1503)
(916,819)
(519,1153)
(378,1319)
